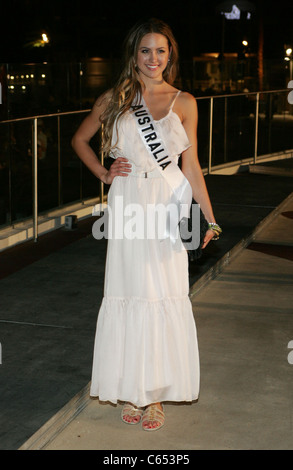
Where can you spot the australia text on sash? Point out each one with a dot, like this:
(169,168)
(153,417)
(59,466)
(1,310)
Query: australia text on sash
(150,136)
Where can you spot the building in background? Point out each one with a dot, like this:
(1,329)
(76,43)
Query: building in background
(56,58)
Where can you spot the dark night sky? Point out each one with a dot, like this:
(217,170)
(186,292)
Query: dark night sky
(79,29)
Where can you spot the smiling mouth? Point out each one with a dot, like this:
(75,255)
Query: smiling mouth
(152,67)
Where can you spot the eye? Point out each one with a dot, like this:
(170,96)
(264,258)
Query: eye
(144,51)
(161,51)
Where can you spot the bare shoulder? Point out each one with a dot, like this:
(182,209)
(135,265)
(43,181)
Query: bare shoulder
(103,100)
(186,106)
(187,100)
(100,105)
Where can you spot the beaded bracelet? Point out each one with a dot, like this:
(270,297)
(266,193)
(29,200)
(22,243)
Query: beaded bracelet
(216,229)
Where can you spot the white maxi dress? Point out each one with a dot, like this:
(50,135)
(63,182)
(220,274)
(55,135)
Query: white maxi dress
(146,346)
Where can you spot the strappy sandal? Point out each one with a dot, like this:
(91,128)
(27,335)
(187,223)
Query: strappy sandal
(151,415)
(132,412)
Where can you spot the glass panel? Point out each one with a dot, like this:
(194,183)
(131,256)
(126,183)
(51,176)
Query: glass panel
(283,123)
(233,128)
(90,183)
(20,137)
(275,123)
(71,166)
(78,183)
(47,163)
(203,131)
(5,213)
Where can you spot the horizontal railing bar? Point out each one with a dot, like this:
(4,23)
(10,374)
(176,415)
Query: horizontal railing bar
(66,113)
(40,116)
(243,93)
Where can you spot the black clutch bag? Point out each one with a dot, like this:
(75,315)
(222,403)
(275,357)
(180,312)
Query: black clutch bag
(192,226)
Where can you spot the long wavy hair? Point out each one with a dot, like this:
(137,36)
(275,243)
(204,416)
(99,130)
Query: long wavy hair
(129,84)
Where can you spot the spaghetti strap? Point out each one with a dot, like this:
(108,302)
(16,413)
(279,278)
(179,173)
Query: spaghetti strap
(173,102)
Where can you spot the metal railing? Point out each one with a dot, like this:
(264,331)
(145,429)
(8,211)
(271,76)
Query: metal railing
(34,180)
(262,119)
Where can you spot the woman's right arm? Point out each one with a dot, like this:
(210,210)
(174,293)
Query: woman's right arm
(81,145)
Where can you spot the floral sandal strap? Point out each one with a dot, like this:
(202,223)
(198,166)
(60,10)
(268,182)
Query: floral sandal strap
(153,415)
(133,412)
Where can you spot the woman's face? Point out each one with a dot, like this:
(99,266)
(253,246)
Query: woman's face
(153,54)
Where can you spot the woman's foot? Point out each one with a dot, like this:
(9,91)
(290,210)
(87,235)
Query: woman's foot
(131,414)
(153,417)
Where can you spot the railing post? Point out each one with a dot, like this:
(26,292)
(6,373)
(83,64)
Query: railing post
(256,126)
(270,117)
(10,182)
(225,130)
(211,135)
(80,180)
(35,178)
(59,160)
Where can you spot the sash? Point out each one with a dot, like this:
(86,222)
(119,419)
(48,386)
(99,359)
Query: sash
(157,149)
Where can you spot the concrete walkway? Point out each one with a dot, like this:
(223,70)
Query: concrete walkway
(244,318)
(50,292)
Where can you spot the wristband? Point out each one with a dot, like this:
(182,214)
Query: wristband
(216,229)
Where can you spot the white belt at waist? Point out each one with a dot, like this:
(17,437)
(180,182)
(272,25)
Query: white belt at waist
(155,173)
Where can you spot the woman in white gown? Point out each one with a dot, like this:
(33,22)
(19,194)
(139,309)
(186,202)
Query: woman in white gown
(146,348)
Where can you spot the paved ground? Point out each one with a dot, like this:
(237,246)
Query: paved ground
(50,293)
